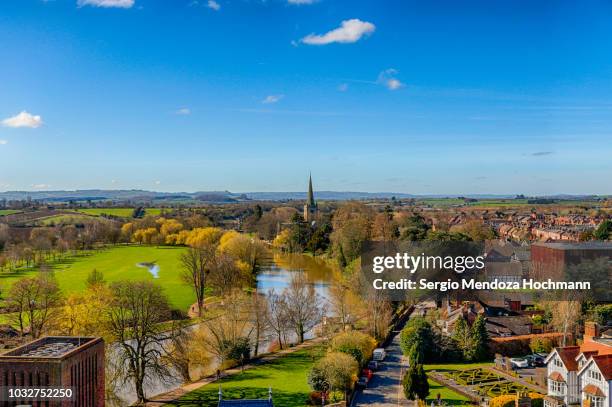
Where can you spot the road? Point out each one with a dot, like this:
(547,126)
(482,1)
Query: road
(385,390)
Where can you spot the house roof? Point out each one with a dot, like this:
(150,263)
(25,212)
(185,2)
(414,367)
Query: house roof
(587,355)
(604,364)
(556,377)
(593,390)
(568,356)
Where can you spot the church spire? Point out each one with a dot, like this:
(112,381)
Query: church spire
(311,201)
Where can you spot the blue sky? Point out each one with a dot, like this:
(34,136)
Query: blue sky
(247,95)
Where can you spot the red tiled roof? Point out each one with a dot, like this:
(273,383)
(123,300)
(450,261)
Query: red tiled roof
(588,354)
(604,363)
(556,377)
(568,355)
(593,390)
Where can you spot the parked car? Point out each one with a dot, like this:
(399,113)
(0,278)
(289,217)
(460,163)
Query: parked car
(362,382)
(367,373)
(373,365)
(519,363)
(536,360)
(379,354)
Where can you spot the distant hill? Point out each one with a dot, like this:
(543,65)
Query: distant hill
(137,195)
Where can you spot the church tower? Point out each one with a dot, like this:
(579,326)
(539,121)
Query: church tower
(310,208)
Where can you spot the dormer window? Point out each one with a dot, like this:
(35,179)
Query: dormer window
(557,362)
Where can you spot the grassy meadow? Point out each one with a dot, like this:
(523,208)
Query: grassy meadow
(4,212)
(118,263)
(288,376)
(120,212)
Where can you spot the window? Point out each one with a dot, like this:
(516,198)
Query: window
(595,401)
(557,362)
(557,387)
(595,375)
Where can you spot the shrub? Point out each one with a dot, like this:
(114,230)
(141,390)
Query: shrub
(508,400)
(505,400)
(335,371)
(354,343)
(538,345)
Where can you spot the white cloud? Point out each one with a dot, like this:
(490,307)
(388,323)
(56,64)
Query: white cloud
(343,87)
(394,84)
(23,119)
(157,182)
(183,111)
(106,3)
(348,32)
(41,186)
(299,2)
(212,4)
(3,142)
(388,79)
(272,99)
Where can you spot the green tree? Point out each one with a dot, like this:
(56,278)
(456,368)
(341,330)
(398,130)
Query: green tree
(95,278)
(603,231)
(415,383)
(479,349)
(417,340)
(462,337)
(415,228)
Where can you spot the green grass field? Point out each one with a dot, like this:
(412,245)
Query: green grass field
(8,211)
(60,220)
(448,396)
(119,263)
(287,376)
(121,212)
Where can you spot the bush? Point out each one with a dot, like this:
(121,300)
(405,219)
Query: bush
(538,345)
(506,400)
(335,371)
(354,343)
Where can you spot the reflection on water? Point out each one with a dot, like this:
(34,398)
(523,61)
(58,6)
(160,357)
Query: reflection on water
(277,273)
(152,267)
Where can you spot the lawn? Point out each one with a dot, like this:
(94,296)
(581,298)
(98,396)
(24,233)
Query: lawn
(119,263)
(120,212)
(447,395)
(287,376)
(8,211)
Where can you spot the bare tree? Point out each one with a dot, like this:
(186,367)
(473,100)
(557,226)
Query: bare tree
(137,308)
(276,317)
(197,264)
(259,319)
(304,305)
(34,303)
(227,336)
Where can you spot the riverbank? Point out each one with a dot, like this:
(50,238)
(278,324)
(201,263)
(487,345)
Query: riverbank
(285,371)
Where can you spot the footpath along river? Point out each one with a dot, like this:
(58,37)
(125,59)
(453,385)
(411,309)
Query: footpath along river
(275,275)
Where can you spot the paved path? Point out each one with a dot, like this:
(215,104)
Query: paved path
(385,390)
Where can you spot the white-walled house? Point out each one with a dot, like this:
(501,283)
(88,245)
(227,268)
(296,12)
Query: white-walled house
(595,379)
(581,375)
(563,388)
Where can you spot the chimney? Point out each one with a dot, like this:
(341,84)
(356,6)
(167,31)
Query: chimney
(591,330)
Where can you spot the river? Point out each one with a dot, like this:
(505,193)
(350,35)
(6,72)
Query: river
(275,275)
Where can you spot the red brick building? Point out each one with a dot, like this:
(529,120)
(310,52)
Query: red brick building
(549,260)
(58,362)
